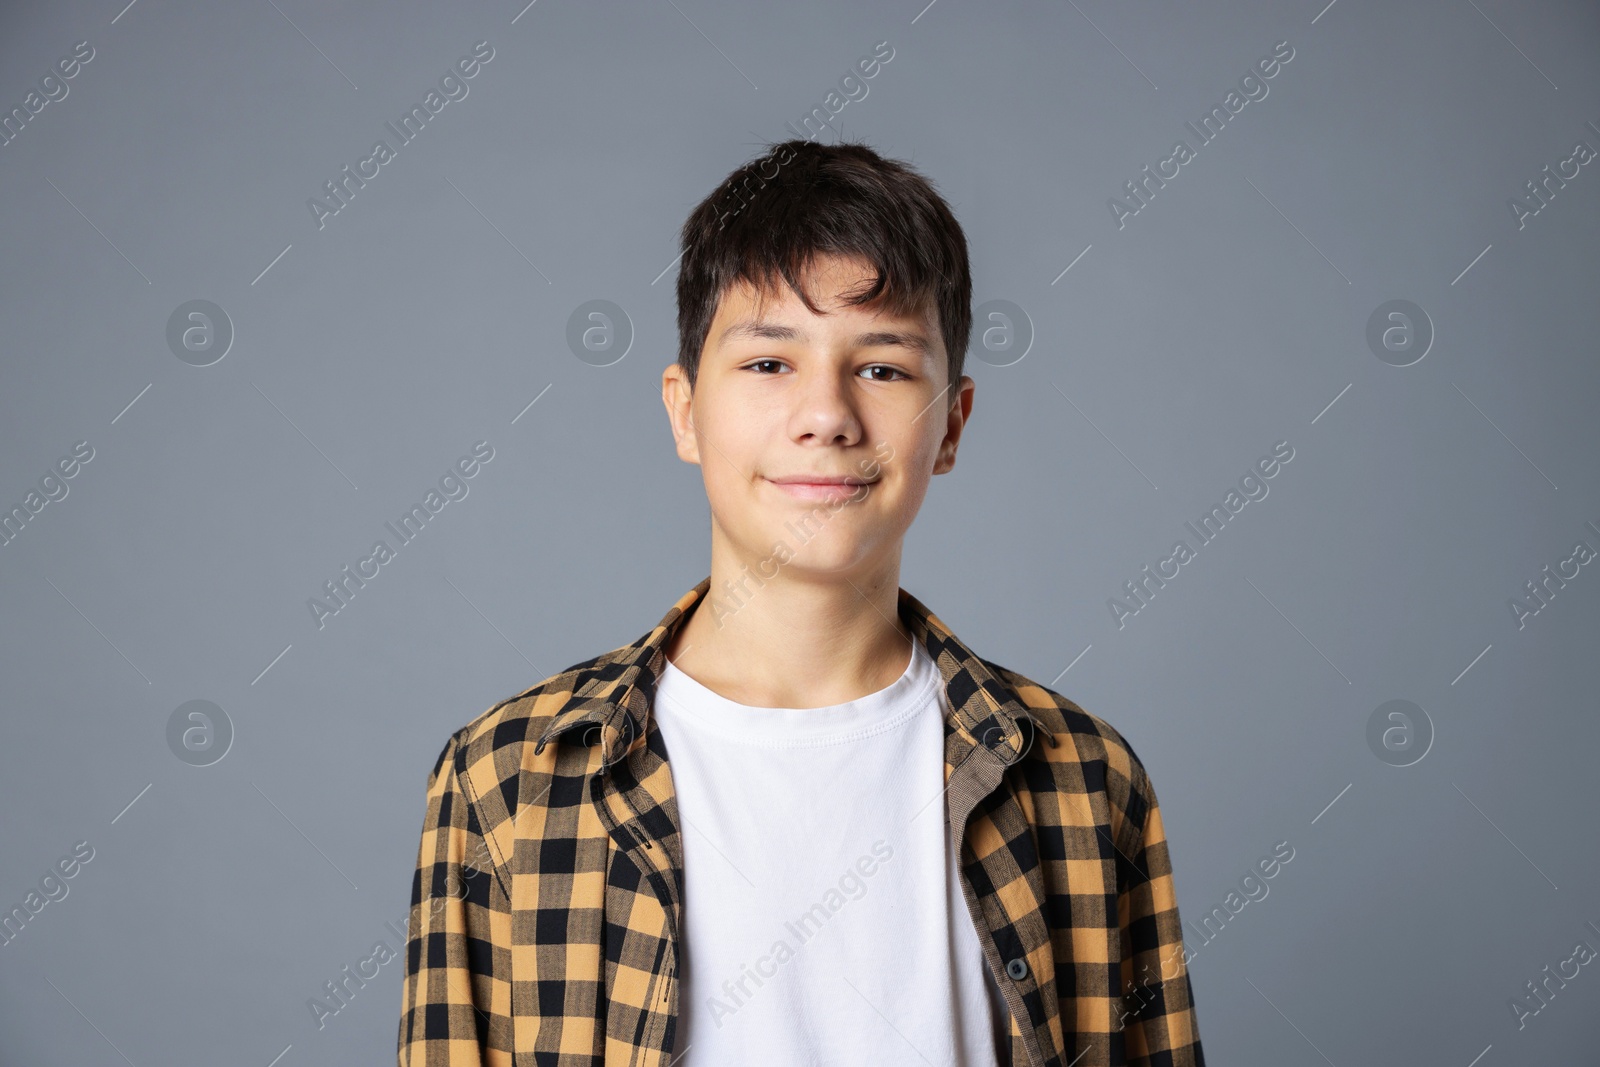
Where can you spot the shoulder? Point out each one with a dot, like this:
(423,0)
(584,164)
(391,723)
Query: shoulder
(505,735)
(1088,736)
(1088,753)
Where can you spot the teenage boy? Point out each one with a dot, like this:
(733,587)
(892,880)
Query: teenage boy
(859,854)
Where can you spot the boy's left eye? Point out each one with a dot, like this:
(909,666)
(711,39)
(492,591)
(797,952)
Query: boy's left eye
(885,366)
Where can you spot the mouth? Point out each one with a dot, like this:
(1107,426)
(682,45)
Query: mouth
(820,487)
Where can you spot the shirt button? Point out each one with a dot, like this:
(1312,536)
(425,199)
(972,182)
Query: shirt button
(1017,969)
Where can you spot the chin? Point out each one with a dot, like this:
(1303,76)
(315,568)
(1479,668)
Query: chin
(820,557)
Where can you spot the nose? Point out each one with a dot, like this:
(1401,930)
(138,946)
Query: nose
(824,409)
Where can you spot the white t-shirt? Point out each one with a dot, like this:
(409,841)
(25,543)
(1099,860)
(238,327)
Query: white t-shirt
(823,921)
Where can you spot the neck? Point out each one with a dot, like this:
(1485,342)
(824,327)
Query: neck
(797,639)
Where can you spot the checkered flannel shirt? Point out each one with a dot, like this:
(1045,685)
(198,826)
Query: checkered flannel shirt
(545,905)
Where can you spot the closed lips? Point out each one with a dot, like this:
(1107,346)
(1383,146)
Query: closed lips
(818,479)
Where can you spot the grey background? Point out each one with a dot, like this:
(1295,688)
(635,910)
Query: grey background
(1227,315)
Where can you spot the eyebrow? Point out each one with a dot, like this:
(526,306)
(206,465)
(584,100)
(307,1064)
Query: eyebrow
(762,329)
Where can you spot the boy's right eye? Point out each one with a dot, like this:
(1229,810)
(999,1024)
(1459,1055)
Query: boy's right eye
(760,362)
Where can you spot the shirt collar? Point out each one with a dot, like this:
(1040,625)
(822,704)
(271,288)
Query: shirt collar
(611,705)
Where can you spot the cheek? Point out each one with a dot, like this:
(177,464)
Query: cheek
(907,471)
(728,468)
(913,490)
(725,452)
(726,486)
(911,458)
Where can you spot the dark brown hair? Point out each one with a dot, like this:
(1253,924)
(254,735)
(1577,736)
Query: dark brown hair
(799,200)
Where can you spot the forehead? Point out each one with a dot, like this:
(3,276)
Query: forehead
(774,312)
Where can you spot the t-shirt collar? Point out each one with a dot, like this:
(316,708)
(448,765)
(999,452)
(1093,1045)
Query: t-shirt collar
(611,705)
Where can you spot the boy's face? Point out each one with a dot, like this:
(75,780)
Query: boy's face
(785,400)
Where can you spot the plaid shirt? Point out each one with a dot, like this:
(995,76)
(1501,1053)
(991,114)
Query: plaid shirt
(547,896)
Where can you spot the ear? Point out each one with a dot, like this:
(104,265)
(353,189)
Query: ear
(679,401)
(955,422)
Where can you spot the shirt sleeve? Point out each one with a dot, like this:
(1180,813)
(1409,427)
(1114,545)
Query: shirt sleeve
(1158,1014)
(455,1007)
